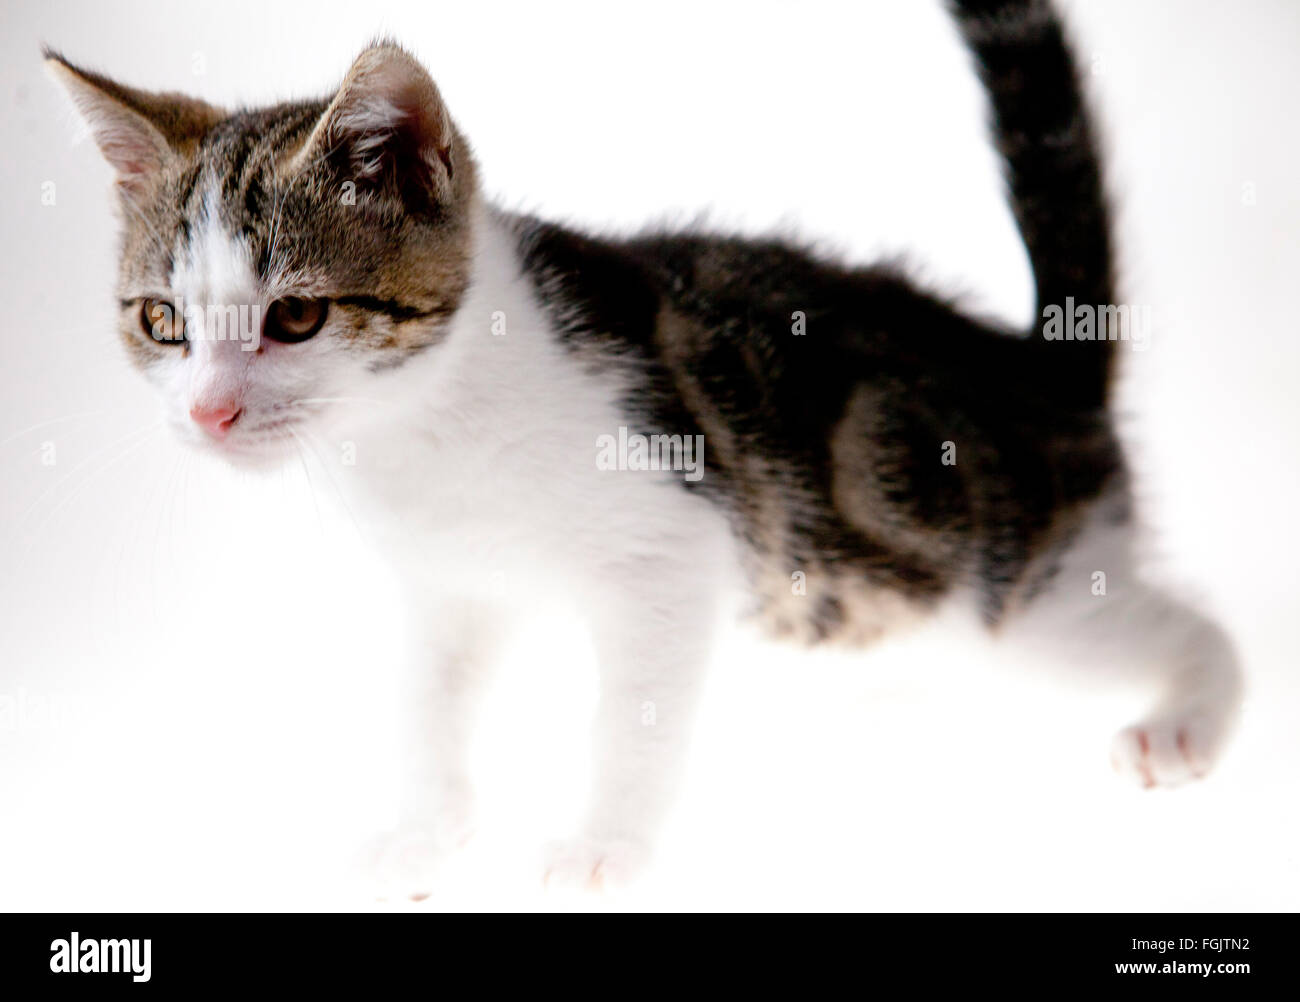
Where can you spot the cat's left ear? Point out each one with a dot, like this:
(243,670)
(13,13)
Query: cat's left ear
(387,130)
(137,131)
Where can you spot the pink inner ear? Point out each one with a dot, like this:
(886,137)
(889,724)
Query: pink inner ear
(129,143)
(132,168)
(126,137)
(130,151)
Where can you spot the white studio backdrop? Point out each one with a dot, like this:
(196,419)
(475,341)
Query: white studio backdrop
(196,667)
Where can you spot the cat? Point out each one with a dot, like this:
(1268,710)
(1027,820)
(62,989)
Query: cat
(640,425)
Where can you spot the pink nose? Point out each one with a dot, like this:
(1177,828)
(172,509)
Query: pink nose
(216,421)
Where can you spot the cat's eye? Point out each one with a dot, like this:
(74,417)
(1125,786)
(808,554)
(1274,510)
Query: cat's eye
(294,319)
(160,321)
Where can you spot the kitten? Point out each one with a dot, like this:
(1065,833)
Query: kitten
(637,424)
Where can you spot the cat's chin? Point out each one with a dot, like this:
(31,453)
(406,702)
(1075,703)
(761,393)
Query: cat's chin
(266,455)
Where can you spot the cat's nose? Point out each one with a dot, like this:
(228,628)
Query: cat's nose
(215,420)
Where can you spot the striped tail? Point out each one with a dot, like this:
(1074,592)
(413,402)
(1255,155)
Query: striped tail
(1042,128)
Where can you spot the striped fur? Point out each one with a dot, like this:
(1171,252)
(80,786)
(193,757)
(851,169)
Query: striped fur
(870,452)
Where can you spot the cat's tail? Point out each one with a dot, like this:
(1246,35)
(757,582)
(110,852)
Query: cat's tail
(1043,130)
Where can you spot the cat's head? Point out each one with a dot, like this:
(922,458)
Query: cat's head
(277,261)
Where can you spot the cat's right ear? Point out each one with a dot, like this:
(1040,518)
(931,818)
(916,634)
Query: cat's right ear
(137,131)
(388,131)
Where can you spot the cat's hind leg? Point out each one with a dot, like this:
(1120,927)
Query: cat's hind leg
(1096,613)
(1182,735)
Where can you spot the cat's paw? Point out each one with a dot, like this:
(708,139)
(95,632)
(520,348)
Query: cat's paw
(590,864)
(402,864)
(1168,752)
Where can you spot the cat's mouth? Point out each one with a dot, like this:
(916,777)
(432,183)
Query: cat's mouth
(254,441)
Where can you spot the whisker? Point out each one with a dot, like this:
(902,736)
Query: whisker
(415,425)
(59,420)
(273,238)
(307,441)
(72,472)
(311,484)
(168,495)
(335,400)
(142,438)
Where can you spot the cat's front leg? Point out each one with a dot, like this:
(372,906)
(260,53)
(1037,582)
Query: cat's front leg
(451,650)
(652,631)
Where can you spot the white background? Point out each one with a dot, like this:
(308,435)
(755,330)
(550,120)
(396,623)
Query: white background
(219,650)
